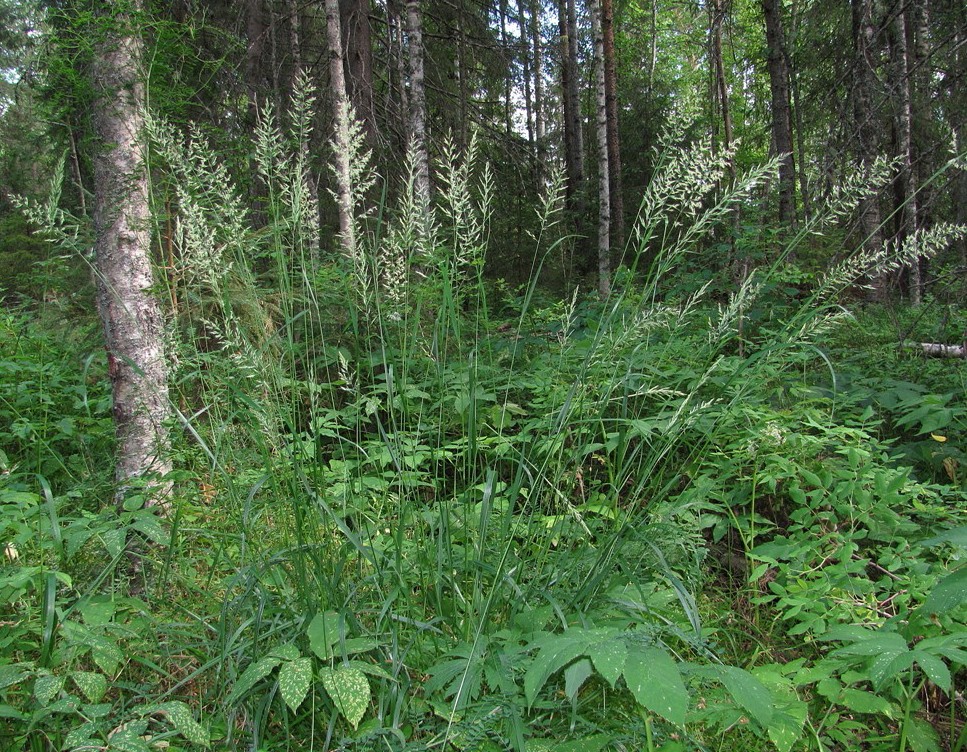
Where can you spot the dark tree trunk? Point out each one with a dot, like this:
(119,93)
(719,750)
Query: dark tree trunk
(131,316)
(864,124)
(781,108)
(573,137)
(357,46)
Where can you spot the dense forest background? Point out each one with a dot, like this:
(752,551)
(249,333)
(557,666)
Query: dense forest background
(405,375)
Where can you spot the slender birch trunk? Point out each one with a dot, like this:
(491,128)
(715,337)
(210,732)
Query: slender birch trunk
(781,108)
(337,83)
(132,319)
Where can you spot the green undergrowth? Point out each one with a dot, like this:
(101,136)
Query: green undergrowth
(417,510)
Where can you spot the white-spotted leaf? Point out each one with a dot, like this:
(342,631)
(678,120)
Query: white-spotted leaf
(46,688)
(91,683)
(656,682)
(179,715)
(294,680)
(349,689)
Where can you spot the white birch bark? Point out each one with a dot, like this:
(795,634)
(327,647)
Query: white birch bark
(133,327)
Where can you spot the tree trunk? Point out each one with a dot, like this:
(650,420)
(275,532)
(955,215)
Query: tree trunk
(417,129)
(525,57)
(573,138)
(133,327)
(357,45)
(337,84)
(781,110)
(538,46)
(614,142)
(864,81)
(604,172)
(901,72)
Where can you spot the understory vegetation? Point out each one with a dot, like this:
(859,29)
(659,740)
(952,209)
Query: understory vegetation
(417,508)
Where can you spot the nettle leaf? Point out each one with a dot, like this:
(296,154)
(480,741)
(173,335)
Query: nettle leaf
(252,676)
(323,633)
(81,736)
(91,683)
(861,701)
(114,540)
(179,715)
(13,673)
(46,688)
(106,655)
(287,652)
(656,683)
(349,689)
(609,659)
(748,692)
(556,651)
(294,680)
(150,526)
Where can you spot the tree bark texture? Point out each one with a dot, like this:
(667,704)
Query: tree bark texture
(357,46)
(781,108)
(414,26)
(573,137)
(903,107)
(337,83)
(864,124)
(604,172)
(614,141)
(133,326)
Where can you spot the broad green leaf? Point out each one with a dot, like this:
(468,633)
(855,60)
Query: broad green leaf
(91,683)
(948,594)
(148,525)
(861,701)
(786,727)
(294,680)
(12,673)
(287,652)
(349,690)
(934,669)
(609,659)
(922,736)
(46,688)
(748,692)
(589,744)
(877,643)
(81,736)
(9,711)
(179,715)
(106,655)
(114,541)
(323,633)
(127,740)
(556,651)
(252,676)
(574,677)
(97,610)
(888,666)
(656,683)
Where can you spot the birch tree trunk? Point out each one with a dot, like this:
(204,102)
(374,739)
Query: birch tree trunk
(414,23)
(604,172)
(133,327)
(337,83)
(614,141)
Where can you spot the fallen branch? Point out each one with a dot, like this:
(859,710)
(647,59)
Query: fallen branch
(940,351)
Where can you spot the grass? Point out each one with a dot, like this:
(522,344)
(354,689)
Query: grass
(407,521)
